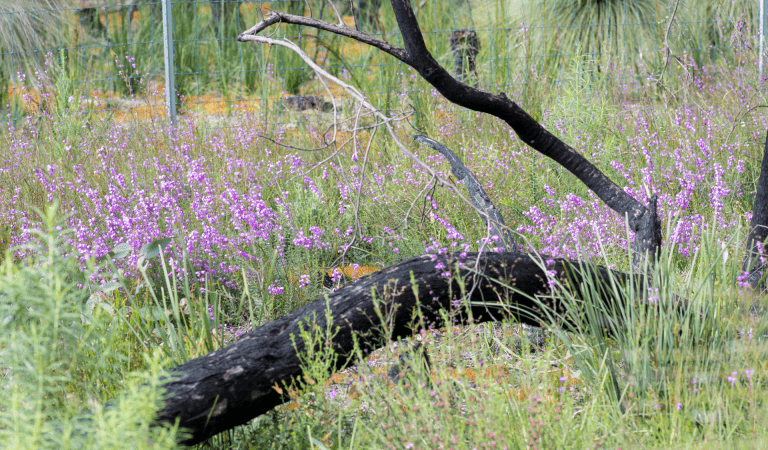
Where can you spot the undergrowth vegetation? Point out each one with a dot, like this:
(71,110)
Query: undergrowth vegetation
(519,41)
(168,244)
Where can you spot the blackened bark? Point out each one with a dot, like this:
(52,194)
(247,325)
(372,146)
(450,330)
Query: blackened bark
(275,17)
(465,45)
(231,386)
(758,226)
(499,105)
(647,237)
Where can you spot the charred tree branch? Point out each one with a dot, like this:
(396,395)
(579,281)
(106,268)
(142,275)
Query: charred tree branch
(275,17)
(758,227)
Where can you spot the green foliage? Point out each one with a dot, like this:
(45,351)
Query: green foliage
(293,70)
(26,32)
(165,309)
(5,81)
(728,30)
(670,346)
(208,59)
(66,351)
(63,358)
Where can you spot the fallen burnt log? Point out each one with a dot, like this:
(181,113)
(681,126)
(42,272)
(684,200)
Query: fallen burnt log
(231,386)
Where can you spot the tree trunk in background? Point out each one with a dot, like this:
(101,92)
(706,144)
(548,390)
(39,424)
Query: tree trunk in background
(366,14)
(226,18)
(758,227)
(90,21)
(155,10)
(231,386)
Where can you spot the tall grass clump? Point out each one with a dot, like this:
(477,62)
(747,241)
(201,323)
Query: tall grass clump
(27,28)
(27,31)
(670,357)
(549,33)
(708,31)
(618,35)
(64,355)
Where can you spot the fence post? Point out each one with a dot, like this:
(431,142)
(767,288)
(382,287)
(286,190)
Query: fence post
(170,78)
(762,30)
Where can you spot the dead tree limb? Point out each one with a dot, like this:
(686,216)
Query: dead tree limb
(231,386)
(491,216)
(643,221)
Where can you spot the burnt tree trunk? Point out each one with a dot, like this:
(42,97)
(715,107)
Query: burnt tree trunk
(758,227)
(90,20)
(465,45)
(231,386)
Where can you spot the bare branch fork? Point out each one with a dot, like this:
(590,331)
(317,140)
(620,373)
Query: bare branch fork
(491,215)
(642,220)
(482,209)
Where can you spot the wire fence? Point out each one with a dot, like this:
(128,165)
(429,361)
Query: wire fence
(108,56)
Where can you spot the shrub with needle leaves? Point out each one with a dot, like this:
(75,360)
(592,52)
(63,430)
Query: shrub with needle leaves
(62,360)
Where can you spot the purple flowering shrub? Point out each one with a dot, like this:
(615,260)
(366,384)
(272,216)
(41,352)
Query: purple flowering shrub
(230,199)
(123,196)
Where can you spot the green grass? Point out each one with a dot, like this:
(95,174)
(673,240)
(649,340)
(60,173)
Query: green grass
(208,61)
(64,354)
(71,343)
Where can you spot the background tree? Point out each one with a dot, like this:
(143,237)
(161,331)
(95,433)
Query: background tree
(366,14)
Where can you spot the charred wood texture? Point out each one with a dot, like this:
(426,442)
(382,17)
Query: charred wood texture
(647,236)
(231,386)
(416,55)
(758,227)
